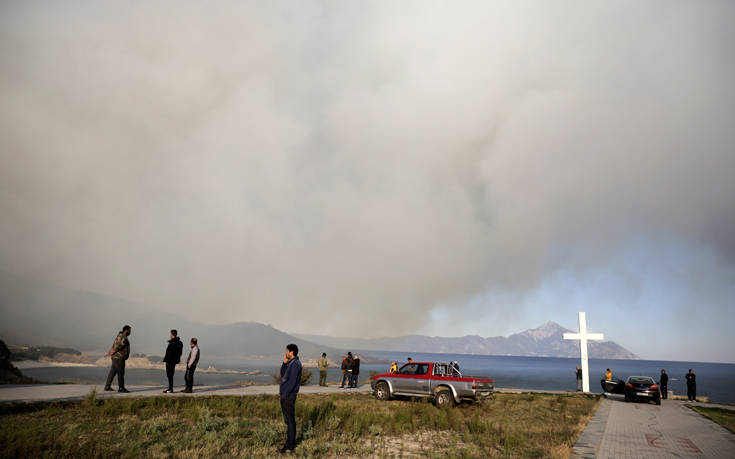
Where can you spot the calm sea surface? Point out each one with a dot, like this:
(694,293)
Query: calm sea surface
(714,380)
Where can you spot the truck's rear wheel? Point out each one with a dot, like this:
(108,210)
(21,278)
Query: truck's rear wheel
(381,391)
(443,398)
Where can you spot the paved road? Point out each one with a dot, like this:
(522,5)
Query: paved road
(28,393)
(639,430)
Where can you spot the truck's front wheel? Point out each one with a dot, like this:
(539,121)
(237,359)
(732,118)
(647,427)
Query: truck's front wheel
(443,398)
(381,391)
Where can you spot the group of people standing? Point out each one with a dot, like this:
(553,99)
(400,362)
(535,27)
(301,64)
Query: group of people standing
(173,357)
(350,370)
(291,371)
(120,352)
(690,377)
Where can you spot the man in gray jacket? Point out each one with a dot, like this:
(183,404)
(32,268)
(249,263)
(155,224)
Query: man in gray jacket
(191,366)
(119,354)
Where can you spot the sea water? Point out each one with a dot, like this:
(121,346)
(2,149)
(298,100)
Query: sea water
(714,380)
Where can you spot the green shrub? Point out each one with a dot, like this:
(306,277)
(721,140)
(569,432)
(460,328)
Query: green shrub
(267,435)
(306,375)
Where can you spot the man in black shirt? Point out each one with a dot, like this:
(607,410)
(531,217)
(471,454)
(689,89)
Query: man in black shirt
(355,372)
(664,384)
(579,379)
(173,356)
(691,386)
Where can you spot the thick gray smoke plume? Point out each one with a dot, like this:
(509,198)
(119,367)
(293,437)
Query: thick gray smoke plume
(337,166)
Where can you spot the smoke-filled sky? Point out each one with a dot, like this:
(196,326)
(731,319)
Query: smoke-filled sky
(380,168)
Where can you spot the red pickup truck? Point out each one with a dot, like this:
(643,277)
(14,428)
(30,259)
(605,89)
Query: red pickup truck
(439,380)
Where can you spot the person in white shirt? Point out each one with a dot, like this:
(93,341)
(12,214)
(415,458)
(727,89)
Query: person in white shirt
(191,366)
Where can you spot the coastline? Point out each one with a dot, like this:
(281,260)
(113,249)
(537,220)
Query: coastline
(132,363)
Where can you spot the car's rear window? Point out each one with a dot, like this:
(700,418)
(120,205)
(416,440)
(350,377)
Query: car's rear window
(640,380)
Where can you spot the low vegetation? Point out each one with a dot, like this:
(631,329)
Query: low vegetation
(9,374)
(306,375)
(510,425)
(18,353)
(722,416)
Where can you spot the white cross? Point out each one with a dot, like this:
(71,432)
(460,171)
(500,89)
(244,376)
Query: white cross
(583,336)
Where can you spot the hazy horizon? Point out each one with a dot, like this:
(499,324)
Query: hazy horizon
(381,168)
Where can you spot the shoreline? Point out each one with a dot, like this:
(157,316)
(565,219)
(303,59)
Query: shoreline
(133,363)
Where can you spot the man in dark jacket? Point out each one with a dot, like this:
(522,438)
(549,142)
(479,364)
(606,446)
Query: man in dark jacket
(343,367)
(579,379)
(173,356)
(691,386)
(191,366)
(347,373)
(119,354)
(289,389)
(664,384)
(355,371)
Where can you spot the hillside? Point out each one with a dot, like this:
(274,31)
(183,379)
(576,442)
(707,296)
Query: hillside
(35,313)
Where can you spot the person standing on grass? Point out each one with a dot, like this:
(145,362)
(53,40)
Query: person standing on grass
(288,390)
(191,366)
(355,372)
(119,354)
(579,379)
(323,364)
(664,384)
(691,386)
(173,356)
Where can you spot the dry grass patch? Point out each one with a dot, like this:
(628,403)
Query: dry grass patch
(355,425)
(722,416)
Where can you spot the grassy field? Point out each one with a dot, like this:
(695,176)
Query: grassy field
(510,425)
(725,418)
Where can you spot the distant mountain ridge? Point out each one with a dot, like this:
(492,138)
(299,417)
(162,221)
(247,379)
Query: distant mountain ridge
(544,341)
(36,313)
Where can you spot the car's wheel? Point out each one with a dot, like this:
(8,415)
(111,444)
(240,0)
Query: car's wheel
(443,398)
(627,399)
(658,401)
(381,391)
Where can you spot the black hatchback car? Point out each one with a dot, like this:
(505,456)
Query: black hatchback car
(642,388)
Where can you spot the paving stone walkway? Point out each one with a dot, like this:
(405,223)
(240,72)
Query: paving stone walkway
(639,430)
